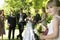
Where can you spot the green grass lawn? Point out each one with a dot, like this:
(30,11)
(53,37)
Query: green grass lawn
(5,36)
(7,39)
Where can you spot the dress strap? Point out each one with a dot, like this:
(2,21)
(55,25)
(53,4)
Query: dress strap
(58,17)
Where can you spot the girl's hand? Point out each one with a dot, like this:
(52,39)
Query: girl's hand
(42,36)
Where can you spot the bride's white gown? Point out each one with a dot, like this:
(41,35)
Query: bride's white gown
(28,35)
(50,27)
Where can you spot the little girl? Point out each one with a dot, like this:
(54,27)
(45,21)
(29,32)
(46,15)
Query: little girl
(54,26)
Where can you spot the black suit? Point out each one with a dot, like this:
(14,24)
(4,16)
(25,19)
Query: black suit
(12,22)
(24,16)
(21,24)
(36,19)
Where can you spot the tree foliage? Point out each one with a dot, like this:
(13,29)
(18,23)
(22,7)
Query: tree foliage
(16,4)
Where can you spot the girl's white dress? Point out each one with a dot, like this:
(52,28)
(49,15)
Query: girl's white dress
(28,35)
(50,27)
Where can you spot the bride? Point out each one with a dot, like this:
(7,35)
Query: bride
(29,35)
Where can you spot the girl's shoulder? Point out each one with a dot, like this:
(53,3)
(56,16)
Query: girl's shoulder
(56,19)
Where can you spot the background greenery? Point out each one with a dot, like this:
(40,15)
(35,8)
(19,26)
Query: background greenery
(27,5)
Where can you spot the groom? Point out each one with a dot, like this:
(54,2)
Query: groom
(20,19)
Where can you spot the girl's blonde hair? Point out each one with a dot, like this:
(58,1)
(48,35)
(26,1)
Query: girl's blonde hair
(55,3)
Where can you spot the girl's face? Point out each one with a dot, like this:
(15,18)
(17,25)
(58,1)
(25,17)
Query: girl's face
(51,9)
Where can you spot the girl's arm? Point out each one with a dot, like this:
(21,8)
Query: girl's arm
(55,31)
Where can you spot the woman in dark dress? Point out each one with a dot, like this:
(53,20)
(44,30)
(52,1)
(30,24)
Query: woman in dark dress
(2,31)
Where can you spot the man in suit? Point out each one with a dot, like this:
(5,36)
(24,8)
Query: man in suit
(36,19)
(21,22)
(12,25)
